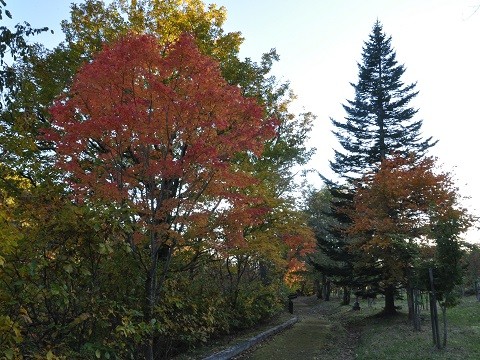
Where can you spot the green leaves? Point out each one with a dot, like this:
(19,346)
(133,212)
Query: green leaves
(213,171)
(7,12)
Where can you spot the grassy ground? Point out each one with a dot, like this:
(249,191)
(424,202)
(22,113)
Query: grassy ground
(318,335)
(394,338)
(327,331)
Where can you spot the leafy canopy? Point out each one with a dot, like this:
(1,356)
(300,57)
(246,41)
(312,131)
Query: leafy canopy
(156,132)
(406,202)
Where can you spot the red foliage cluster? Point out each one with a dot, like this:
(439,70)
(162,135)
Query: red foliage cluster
(159,128)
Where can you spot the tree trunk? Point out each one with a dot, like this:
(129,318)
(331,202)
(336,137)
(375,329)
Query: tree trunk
(416,310)
(326,288)
(346,296)
(433,312)
(153,286)
(318,289)
(411,303)
(150,289)
(390,301)
(477,290)
(444,316)
(434,321)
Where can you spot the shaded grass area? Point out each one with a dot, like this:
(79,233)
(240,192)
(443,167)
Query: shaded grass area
(394,338)
(317,335)
(327,331)
(306,340)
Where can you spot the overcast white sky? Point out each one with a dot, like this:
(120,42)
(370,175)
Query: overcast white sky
(320,42)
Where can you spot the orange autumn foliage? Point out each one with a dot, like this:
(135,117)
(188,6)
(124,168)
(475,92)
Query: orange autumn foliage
(395,208)
(401,196)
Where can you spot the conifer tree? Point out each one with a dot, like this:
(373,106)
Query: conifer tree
(379,121)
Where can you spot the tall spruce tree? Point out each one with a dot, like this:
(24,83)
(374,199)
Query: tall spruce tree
(379,121)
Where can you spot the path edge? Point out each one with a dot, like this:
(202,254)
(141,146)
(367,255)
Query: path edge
(245,345)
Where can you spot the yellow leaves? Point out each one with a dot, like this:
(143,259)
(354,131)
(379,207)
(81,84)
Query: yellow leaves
(23,314)
(11,335)
(167,20)
(105,249)
(9,236)
(80,318)
(50,355)
(68,268)
(15,189)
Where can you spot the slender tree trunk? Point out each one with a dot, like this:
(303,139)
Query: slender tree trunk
(416,310)
(326,288)
(434,321)
(444,316)
(433,312)
(346,296)
(390,301)
(153,288)
(150,290)
(477,290)
(318,289)
(411,303)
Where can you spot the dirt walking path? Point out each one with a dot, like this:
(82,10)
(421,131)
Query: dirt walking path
(319,334)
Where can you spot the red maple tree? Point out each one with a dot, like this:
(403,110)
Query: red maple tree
(156,130)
